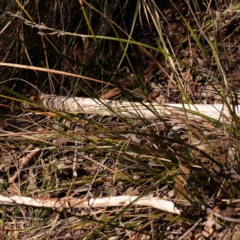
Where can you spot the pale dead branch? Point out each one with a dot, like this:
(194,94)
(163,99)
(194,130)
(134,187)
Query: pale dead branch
(74,203)
(79,105)
(69,203)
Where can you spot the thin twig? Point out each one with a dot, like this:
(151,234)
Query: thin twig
(189,230)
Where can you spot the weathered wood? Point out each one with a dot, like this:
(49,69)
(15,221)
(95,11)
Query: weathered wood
(71,203)
(79,105)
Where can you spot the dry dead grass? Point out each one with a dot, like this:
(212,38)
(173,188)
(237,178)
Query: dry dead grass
(49,154)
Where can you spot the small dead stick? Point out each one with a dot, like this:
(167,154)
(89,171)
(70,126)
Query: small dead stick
(23,163)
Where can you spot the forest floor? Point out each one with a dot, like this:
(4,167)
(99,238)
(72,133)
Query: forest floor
(138,51)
